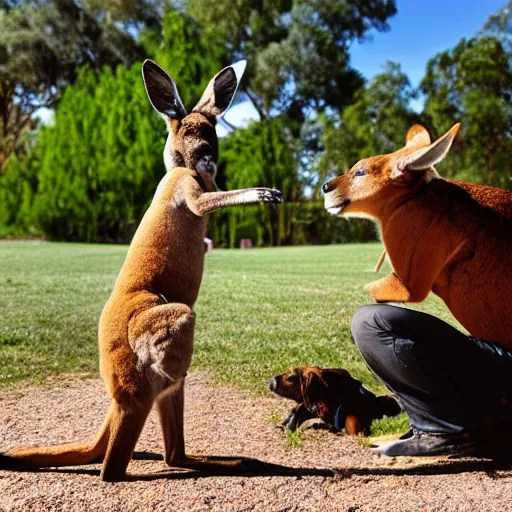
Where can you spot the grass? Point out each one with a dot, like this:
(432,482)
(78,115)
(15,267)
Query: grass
(293,438)
(259,312)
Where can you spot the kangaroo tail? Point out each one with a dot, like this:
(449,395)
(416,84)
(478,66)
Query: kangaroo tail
(72,454)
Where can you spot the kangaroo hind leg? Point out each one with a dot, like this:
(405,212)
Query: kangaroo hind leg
(125,427)
(170,406)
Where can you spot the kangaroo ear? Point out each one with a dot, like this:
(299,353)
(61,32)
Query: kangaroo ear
(162,91)
(425,158)
(417,135)
(221,90)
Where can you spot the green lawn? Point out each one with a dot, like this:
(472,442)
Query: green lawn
(260,311)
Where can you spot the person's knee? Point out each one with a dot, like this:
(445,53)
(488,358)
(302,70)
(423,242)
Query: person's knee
(374,331)
(365,326)
(363,322)
(374,324)
(372,319)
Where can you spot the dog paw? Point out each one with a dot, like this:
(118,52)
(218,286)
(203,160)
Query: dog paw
(288,425)
(270,195)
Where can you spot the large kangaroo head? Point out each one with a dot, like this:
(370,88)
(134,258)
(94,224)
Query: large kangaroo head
(192,140)
(375,183)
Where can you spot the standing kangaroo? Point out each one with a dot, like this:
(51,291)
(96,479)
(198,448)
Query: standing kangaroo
(146,329)
(454,238)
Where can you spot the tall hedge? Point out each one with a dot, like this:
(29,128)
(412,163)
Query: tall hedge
(267,154)
(18,187)
(101,159)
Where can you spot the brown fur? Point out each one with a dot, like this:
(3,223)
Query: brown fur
(452,238)
(321,391)
(146,328)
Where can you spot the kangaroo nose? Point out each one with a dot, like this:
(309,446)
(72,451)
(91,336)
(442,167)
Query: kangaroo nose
(207,164)
(272,384)
(327,187)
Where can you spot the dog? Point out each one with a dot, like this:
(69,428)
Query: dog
(332,395)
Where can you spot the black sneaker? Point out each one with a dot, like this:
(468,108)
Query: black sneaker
(428,444)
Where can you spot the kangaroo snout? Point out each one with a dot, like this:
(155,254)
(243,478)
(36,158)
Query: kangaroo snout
(335,200)
(207,165)
(272,384)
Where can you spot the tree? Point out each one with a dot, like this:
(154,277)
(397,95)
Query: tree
(44,42)
(101,159)
(499,25)
(18,186)
(298,50)
(472,83)
(185,52)
(265,153)
(93,171)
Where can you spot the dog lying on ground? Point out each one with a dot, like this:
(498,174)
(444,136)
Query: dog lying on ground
(332,395)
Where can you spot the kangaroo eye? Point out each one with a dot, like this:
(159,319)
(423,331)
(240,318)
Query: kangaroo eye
(361,172)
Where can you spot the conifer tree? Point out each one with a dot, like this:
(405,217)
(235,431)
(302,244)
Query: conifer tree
(102,158)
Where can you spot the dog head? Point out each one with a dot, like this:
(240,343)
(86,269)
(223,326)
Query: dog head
(318,388)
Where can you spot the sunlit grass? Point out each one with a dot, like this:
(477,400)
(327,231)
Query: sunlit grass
(259,312)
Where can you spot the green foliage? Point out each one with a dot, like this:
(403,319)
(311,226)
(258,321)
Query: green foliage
(298,223)
(18,186)
(266,154)
(472,84)
(386,426)
(499,24)
(261,155)
(101,158)
(293,438)
(92,173)
(43,43)
(298,50)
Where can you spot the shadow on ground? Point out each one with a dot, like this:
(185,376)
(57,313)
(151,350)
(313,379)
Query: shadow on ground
(206,467)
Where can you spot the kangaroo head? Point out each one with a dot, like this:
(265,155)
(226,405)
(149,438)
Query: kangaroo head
(375,182)
(192,141)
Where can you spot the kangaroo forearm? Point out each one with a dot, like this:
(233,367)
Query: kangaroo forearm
(211,201)
(388,289)
(392,289)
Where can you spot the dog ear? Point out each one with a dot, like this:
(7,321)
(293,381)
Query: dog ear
(313,389)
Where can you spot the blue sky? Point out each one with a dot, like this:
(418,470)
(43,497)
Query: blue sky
(419,30)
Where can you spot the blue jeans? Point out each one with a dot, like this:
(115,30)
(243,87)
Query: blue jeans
(446,381)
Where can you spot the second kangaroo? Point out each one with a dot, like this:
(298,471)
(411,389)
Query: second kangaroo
(146,329)
(450,237)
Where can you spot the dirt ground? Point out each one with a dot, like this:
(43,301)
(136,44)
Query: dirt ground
(327,472)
